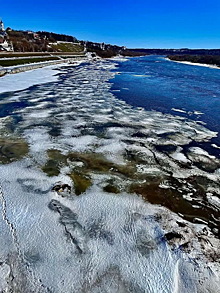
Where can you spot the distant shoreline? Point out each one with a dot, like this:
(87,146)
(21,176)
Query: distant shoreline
(195,64)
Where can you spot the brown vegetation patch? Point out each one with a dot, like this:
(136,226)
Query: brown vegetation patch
(55,162)
(12,150)
(171,198)
(93,162)
(81,182)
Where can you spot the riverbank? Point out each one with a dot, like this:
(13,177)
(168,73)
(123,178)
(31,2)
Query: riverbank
(194,63)
(35,65)
(27,76)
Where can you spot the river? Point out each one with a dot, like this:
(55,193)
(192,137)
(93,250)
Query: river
(110,179)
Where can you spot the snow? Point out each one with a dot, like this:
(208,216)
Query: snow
(179,110)
(119,236)
(198,113)
(195,64)
(215,146)
(119,58)
(214,200)
(179,156)
(23,80)
(4,275)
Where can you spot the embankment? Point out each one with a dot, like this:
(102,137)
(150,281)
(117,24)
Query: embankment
(31,66)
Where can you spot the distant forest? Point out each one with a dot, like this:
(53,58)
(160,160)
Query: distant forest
(183,51)
(204,59)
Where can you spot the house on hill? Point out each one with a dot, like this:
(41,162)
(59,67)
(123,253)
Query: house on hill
(5,45)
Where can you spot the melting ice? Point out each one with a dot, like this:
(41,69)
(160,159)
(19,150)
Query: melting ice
(101,241)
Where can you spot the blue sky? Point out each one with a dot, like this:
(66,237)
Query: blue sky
(136,23)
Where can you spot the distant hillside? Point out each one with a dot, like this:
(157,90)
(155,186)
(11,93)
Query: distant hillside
(28,41)
(41,41)
(103,50)
(184,51)
(107,50)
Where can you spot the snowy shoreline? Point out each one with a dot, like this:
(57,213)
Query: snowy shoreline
(195,64)
(23,80)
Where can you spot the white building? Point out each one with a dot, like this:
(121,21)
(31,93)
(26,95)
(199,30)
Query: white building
(2,26)
(4,44)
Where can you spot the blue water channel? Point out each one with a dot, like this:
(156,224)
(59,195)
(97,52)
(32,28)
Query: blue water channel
(155,83)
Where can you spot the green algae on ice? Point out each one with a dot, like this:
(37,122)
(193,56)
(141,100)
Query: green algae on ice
(155,187)
(55,162)
(91,163)
(51,168)
(81,182)
(12,149)
(173,199)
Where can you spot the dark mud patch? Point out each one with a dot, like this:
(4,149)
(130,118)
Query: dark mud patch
(111,188)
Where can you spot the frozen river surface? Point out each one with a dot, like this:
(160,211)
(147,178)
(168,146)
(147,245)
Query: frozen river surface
(101,195)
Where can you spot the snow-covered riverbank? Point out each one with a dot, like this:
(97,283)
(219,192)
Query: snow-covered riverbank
(195,64)
(23,80)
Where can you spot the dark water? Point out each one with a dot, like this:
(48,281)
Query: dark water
(157,84)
